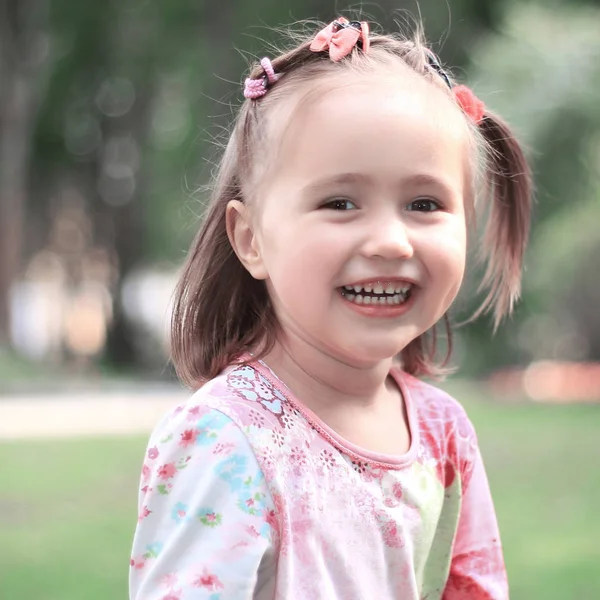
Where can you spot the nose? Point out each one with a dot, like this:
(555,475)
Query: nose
(389,239)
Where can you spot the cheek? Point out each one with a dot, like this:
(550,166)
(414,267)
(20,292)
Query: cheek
(448,253)
(298,260)
(299,245)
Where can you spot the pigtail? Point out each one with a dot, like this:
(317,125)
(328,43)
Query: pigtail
(219,310)
(507,228)
(216,314)
(421,355)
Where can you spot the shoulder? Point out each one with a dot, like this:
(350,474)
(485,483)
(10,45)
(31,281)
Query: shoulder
(246,396)
(239,399)
(192,438)
(446,432)
(437,406)
(200,440)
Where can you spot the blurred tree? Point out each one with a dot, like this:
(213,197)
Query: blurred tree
(541,71)
(134,94)
(24,46)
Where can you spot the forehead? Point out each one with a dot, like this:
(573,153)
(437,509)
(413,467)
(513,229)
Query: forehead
(379,125)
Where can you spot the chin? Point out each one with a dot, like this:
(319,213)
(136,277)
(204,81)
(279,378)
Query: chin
(367,354)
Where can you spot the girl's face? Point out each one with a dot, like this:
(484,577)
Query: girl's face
(360,232)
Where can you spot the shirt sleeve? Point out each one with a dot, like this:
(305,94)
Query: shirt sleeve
(477,570)
(206,524)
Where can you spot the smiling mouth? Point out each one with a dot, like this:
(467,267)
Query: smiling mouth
(380,293)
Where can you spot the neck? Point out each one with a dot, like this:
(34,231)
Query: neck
(323,381)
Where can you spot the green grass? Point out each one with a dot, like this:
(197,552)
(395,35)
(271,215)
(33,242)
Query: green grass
(543,466)
(67,508)
(14,369)
(67,515)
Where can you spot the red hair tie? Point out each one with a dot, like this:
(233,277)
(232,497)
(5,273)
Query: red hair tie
(469,102)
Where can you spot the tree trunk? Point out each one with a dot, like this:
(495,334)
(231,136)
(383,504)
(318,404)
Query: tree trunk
(124,224)
(22,56)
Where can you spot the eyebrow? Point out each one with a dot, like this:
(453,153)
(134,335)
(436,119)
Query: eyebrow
(338,179)
(417,179)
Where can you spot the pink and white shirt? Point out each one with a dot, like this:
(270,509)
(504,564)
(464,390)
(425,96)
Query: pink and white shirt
(247,494)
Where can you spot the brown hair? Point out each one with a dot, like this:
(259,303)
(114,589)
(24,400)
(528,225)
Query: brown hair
(221,311)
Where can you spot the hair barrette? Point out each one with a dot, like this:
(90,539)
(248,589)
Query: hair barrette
(471,105)
(434,62)
(340,37)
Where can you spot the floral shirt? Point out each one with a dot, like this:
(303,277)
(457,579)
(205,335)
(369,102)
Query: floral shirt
(246,494)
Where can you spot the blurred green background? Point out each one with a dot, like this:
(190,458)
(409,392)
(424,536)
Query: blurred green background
(111,116)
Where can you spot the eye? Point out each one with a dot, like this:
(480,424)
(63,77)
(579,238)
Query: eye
(424,205)
(340,204)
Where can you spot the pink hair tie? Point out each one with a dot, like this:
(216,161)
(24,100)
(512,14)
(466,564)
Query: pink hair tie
(340,37)
(255,88)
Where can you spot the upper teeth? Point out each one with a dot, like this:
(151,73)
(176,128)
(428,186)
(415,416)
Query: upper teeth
(388,288)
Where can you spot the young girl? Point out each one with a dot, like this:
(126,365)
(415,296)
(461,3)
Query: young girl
(312,462)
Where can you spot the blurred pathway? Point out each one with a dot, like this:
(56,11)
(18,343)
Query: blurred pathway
(84,414)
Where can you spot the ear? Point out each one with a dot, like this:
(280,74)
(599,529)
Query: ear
(243,239)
